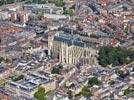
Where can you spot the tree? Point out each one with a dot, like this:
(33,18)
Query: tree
(122,74)
(57,69)
(40,15)
(68,11)
(1,59)
(60,66)
(112,26)
(2,2)
(40,94)
(93,81)
(95,36)
(115,56)
(86,92)
(111,82)
(35,1)
(7,60)
(59,3)
(128,91)
(17,78)
(0,40)
(43,1)
(70,94)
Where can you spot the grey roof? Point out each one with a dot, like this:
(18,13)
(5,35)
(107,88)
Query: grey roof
(70,41)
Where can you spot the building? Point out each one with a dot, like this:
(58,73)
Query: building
(71,51)
(131,26)
(107,2)
(30,86)
(55,16)
(4,72)
(21,16)
(4,15)
(128,17)
(24,18)
(118,7)
(13,7)
(13,17)
(46,8)
(4,96)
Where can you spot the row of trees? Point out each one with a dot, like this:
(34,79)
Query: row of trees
(115,56)
(27,1)
(37,1)
(59,3)
(2,2)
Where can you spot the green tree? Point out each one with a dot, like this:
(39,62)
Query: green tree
(17,78)
(95,36)
(57,69)
(128,91)
(70,94)
(120,72)
(0,40)
(1,59)
(35,1)
(40,15)
(59,3)
(2,2)
(68,11)
(115,56)
(112,26)
(111,82)
(60,66)
(86,92)
(40,94)
(93,81)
